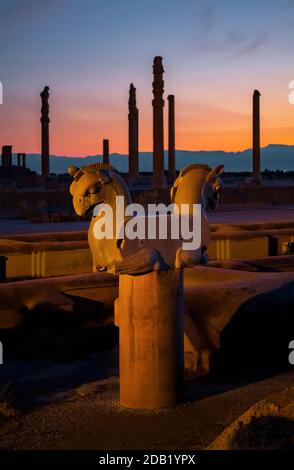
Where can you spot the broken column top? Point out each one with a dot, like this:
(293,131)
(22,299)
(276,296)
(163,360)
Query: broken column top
(157,65)
(158,83)
(132,97)
(256,92)
(45,105)
(45,93)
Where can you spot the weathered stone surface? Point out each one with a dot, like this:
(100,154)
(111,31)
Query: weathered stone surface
(19,298)
(267,425)
(149,313)
(214,297)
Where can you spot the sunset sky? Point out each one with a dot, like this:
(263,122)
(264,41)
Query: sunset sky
(88,51)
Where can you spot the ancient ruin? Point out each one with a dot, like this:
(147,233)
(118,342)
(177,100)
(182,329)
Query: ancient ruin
(256,138)
(106,151)
(159,179)
(139,324)
(133,135)
(133,259)
(101,184)
(171,137)
(45,120)
(7,156)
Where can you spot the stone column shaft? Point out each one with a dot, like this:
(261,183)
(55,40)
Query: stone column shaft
(171,136)
(106,151)
(7,156)
(45,153)
(256,138)
(133,134)
(149,312)
(158,130)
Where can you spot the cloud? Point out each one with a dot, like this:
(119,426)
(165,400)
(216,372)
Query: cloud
(207,18)
(234,43)
(259,40)
(15,10)
(214,37)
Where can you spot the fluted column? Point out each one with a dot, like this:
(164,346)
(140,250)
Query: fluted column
(133,134)
(45,131)
(159,180)
(171,137)
(256,138)
(105,151)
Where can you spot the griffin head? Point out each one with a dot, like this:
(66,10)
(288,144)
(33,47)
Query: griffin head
(88,186)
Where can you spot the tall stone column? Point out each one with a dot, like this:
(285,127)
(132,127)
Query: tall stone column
(23,160)
(256,139)
(45,131)
(159,180)
(133,134)
(171,137)
(7,156)
(105,151)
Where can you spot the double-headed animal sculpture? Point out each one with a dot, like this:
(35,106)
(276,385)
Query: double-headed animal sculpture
(96,186)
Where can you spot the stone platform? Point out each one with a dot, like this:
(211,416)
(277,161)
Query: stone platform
(39,255)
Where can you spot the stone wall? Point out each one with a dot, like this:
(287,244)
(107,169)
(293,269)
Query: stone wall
(59,254)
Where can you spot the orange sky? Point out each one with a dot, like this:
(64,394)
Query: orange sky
(89,51)
(79,131)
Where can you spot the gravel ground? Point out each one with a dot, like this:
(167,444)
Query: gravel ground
(82,410)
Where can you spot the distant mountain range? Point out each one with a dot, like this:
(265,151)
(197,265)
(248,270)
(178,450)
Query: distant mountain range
(273,157)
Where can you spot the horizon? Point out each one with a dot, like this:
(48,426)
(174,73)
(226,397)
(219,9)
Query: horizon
(211,66)
(274,157)
(249,149)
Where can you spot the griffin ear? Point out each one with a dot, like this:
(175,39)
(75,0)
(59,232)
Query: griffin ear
(102,174)
(72,170)
(103,177)
(215,173)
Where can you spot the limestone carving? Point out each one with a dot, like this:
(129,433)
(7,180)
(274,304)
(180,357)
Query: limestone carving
(96,185)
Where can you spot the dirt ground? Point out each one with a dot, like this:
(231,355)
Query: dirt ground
(74,405)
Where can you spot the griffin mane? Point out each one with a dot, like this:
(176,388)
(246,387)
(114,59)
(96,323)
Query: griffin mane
(99,166)
(199,166)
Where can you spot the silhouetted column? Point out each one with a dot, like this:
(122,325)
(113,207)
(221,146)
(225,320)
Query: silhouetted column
(171,136)
(23,160)
(256,138)
(19,155)
(159,180)
(105,151)
(133,133)
(45,131)
(7,156)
